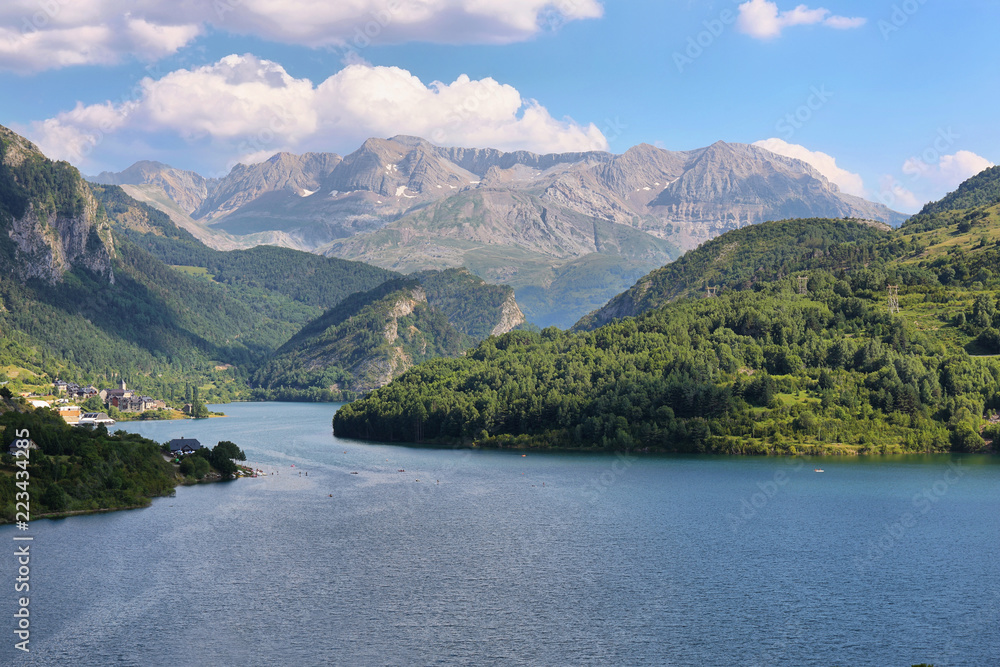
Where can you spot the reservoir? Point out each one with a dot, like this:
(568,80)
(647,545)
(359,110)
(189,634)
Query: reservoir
(467,557)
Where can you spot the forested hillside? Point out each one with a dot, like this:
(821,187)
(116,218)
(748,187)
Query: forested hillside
(76,469)
(983,189)
(745,258)
(318,282)
(372,337)
(760,368)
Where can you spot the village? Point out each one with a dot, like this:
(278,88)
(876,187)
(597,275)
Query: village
(76,404)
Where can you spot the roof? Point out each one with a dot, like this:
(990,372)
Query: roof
(178,444)
(95,418)
(13,446)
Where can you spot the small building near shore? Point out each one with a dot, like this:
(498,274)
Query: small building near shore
(70,413)
(95,418)
(184,445)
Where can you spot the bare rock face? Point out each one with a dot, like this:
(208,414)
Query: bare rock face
(518,217)
(52,231)
(510,317)
(50,245)
(402,308)
(188,189)
(684,197)
(289,176)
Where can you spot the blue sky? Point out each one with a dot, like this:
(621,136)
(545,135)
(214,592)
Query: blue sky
(892,100)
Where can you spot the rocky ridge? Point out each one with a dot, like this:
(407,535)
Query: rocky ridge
(50,234)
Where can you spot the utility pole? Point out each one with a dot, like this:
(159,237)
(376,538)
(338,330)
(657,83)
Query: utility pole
(893,299)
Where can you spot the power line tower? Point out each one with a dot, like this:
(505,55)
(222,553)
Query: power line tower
(893,299)
(711,291)
(803,285)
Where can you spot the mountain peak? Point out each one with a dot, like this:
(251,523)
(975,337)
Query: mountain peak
(407,140)
(15,148)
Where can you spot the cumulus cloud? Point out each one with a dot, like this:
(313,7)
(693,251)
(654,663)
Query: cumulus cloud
(897,196)
(245,108)
(950,170)
(925,180)
(38,35)
(847,181)
(388,21)
(761,19)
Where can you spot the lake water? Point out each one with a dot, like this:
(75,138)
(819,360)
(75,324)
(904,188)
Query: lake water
(497,558)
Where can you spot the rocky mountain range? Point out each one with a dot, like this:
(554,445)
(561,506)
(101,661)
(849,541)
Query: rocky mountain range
(94,283)
(520,218)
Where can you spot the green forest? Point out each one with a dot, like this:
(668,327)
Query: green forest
(76,469)
(758,369)
(346,351)
(775,338)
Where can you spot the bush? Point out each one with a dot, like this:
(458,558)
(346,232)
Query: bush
(195,466)
(988,342)
(965,439)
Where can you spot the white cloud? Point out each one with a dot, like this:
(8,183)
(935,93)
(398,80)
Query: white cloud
(38,35)
(847,181)
(896,196)
(245,108)
(844,22)
(761,19)
(358,22)
(926,182)
(950,171)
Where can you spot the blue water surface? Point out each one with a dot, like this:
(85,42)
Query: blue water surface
(494,558)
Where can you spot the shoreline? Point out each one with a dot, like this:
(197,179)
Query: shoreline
(804,450)
(179,481)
